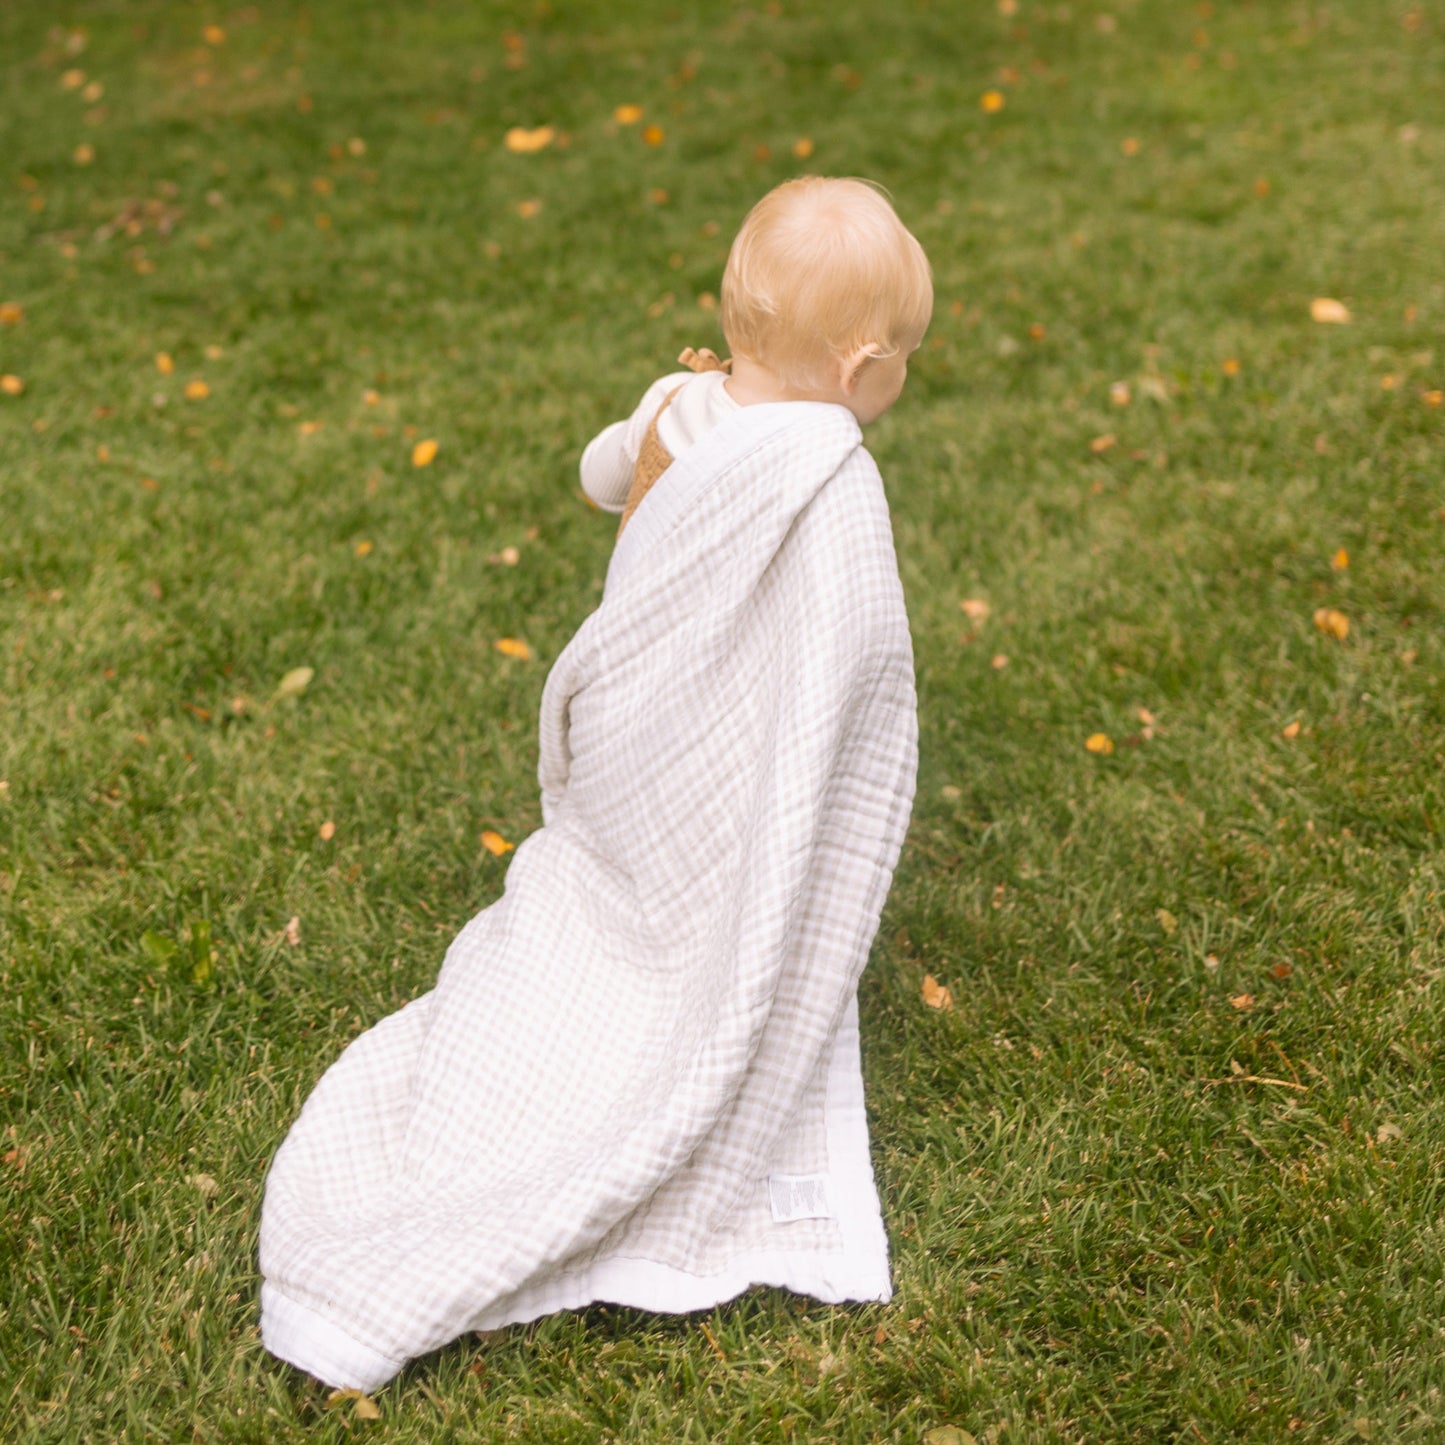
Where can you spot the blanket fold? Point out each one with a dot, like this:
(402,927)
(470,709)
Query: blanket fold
(628,1081)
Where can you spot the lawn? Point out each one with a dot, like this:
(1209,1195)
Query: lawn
(1170,1166)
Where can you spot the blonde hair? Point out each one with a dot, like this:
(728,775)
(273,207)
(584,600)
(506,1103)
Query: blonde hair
(822,268)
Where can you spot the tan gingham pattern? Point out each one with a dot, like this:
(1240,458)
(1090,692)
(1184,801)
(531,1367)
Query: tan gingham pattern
(619,1051)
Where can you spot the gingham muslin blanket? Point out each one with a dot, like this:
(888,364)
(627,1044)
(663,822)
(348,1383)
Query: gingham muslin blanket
(637,1078)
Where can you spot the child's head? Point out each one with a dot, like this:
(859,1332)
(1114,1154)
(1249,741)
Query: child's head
(823,271)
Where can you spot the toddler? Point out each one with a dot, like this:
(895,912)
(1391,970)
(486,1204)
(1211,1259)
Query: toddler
(637,1079)
(824,298)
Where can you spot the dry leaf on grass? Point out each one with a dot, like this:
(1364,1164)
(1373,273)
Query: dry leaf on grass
(327,831)
(11,385)
(1100,743)
(495,844)
(975,609)
(1241,1001)
(197,390)
(627,114)
(949,1435)
(292,932)
(362,1405)
(1328,311)
(11,313)
(295,682)
(1340,561)
(513,647)
(935,994)
(423,454)
(1332,623)
(521,141)
(1290,730)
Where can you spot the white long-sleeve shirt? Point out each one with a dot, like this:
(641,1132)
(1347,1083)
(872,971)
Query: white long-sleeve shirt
(611,456)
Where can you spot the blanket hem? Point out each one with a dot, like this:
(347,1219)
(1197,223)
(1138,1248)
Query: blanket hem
(311,1342)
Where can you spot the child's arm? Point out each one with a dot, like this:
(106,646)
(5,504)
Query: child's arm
(611,456)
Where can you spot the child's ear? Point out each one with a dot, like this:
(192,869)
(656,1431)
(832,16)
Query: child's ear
(851,367)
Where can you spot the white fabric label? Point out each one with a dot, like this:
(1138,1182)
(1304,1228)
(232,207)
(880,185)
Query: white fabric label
(799,1196)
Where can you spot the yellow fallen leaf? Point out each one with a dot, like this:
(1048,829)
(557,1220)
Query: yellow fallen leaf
(1230,366)
(356,146)
(363,549)
(11,313)
(513,647)
(370,397)
(627,114)
(1099,743)
(423,454)
(1120,394)
(521,141)
(975,609)
(935,994)
(11,385)
(310,428)
(73,79)
(1433,398)
(1340,560)
(527,209)
(197,390)
(295,682)
(998,661)
(654,135)
(165,363)
(1242,1001)
(213,35)
(803,148)
(1328,311)
(362,1405)
(327,831)
(495,844)
(1290,730)
(991,102)
(83,154)
(1332,623)
(1102,444)
(1129,146)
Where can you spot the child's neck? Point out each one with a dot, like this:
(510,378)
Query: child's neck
(750,382)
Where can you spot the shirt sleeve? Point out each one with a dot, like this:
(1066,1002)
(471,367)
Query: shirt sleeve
(611,456)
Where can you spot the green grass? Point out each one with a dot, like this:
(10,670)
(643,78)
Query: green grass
(1104,1227)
